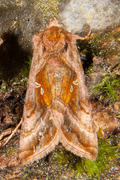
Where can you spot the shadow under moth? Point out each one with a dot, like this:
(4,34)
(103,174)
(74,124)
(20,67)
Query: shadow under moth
(57,107)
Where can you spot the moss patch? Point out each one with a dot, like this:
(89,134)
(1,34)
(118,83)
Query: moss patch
(48,8)
(92,169)
(107,88)
(104,44)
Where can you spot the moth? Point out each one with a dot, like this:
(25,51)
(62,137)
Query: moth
(57,107)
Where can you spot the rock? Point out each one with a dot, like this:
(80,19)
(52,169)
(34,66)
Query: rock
(22,19)
(98,14)
(105,120)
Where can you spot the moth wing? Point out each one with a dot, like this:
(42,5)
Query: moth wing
(39,136)
(79,136)
(78,133)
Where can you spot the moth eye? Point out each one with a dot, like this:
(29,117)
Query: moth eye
(41,91)
(71,88)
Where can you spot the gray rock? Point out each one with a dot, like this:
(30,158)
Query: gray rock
(22,19)
(98,14)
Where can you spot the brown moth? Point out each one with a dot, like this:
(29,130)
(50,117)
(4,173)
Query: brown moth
(57,107)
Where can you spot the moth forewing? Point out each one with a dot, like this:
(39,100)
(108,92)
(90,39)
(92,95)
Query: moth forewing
(57,107)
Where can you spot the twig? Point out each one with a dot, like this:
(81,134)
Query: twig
(13,132)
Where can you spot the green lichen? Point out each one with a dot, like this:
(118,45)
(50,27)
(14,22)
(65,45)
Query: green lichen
(108,87)
(48,8)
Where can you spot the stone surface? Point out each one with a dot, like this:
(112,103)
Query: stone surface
(98,14)
(21,18)
(105,120)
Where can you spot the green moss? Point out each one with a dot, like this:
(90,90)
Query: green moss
(105,44)
(92,169)
(62,161)
(19,82)
(10,152)
(62,156)
(48,8)
(108,87)
(24,71)
(105,154)
(117,36)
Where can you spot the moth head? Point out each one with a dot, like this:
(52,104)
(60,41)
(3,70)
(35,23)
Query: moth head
(51,36)
(54,34)
(54,23)
(54,39)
